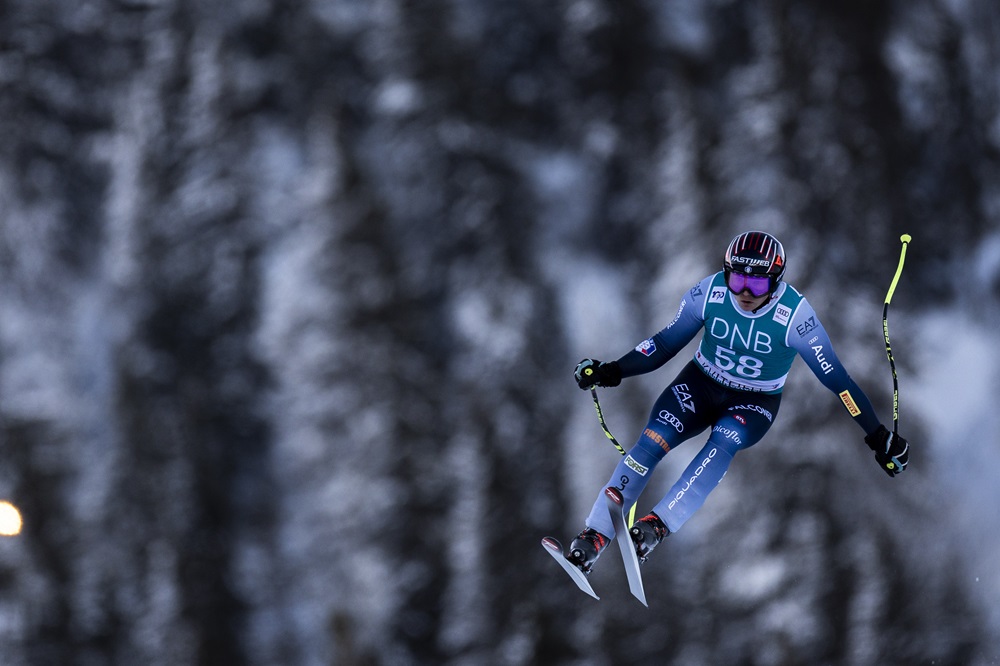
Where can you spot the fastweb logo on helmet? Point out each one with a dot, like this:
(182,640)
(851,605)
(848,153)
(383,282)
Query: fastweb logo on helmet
(750,262)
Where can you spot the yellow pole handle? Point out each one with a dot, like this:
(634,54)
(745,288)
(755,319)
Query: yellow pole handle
(905,238)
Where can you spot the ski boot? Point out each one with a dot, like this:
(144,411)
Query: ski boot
(646,533)
(586,548)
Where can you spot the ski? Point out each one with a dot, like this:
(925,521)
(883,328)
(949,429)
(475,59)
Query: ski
(555,549)
(616,506)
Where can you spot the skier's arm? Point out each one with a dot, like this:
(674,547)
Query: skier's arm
(653,353)
(809,338)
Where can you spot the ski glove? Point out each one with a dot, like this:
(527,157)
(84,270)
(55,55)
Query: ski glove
(892,452)
(591,372)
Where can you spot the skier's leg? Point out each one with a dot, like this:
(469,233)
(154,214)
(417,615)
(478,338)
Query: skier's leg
(673,419)
(700,478)
(630,476)
(745,420)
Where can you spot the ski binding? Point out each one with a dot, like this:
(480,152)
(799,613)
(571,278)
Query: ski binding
(555,549)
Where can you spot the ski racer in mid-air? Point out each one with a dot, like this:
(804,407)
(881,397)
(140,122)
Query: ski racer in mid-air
(753,325)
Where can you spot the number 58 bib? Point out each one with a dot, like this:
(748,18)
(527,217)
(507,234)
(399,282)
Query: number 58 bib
(747,351)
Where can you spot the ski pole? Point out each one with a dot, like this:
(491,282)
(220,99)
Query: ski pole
(905,238)
(607,431)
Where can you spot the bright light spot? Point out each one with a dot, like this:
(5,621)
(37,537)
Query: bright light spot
(10,519)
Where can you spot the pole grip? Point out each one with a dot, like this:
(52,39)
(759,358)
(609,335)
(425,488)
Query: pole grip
(905,239)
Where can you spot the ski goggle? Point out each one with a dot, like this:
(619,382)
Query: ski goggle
(757,284)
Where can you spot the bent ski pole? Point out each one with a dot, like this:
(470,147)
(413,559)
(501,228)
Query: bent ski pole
(604,425)
(607,431)
(905,238)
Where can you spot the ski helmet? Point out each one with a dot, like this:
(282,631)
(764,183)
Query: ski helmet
(756,253)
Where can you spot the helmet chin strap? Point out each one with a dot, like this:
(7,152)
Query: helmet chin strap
(761,306)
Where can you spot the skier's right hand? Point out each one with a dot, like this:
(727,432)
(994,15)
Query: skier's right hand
(590,372)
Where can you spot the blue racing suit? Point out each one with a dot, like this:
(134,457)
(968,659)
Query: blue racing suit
(732,386)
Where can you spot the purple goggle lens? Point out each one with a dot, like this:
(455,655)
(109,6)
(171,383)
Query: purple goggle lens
(757,284)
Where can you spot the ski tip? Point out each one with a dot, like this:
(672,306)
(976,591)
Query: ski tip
(614,495)
(554,548)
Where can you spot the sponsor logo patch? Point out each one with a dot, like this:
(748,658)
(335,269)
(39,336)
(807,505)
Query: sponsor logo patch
(677,316)
(666,418)
(656,438)
(750,262)
(694,477)
(632,464)
(781,314)
(729,433)
(805,327)
(848,400)
(646,347)
(755,408)
(684,398)
(717,295)
(824,364)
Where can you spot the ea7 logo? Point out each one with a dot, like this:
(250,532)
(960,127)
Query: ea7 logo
(684,398)
(806,326)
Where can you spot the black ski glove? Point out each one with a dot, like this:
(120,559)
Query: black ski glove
(590,371)
(892,452)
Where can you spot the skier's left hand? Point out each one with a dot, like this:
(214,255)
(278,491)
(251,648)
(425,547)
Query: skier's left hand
(892,452)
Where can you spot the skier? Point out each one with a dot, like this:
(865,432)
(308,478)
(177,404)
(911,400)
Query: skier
(754,324)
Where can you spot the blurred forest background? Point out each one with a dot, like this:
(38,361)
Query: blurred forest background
(291,293)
